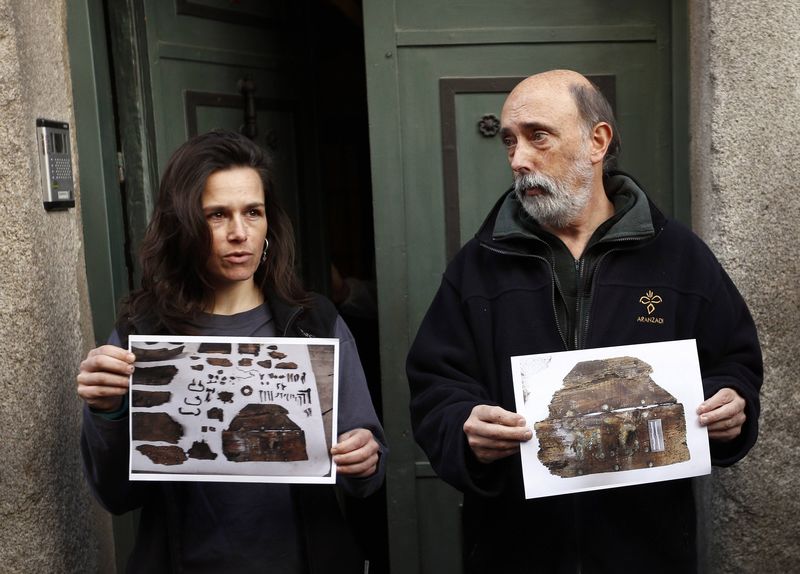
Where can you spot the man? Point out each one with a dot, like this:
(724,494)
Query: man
(565,261)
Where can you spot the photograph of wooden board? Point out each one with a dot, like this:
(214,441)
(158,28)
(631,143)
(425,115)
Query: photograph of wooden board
(610,417)
(233,409)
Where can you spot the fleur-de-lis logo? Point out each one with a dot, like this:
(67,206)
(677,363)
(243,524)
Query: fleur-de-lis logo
(650,299)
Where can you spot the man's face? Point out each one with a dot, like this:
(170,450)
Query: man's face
(549,152)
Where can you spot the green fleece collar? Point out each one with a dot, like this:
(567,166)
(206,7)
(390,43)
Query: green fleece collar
(629,201)
(638,221)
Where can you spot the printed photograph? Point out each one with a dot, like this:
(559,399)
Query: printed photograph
(610,417)
(233,409)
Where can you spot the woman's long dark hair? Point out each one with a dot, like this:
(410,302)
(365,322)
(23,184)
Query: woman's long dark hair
(177,244)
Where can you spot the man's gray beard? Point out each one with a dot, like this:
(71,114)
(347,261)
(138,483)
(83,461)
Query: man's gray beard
(558,205)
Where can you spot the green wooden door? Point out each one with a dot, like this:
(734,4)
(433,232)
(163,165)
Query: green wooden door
(180,70)
(435,71)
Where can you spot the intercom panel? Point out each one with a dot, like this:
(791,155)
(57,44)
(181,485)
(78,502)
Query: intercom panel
(55,164)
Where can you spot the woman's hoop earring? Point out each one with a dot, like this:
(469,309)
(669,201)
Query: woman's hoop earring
(264,253)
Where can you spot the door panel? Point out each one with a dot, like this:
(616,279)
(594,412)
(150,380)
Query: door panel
(195,97)
(435,71)
(476,185)
(276,133)
(176,77)
(193,57)
(202,51)
(511,14)
(439,526)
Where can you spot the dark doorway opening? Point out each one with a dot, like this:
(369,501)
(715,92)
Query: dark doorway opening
(340,97)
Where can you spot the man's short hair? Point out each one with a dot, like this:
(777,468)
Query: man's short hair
(594,108)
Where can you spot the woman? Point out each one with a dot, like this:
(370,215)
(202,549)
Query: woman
(217,260)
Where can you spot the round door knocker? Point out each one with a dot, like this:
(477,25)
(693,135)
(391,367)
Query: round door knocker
(489,125)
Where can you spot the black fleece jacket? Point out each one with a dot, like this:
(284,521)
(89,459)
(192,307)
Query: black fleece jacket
(498,298)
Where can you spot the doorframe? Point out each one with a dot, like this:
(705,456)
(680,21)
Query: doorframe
(102,178)
(391,260)
(102,210)
(135,120)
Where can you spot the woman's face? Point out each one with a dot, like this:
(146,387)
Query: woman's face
(233,205)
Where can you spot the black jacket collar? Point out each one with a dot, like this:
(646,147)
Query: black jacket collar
(496,228)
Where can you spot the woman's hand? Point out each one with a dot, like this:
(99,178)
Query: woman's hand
(356,453)
(103,378)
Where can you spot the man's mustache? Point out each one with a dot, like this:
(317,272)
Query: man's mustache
(524,182)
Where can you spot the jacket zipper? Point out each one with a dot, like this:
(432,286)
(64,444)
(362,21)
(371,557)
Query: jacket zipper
(582,315)
(582,320)
(579,307)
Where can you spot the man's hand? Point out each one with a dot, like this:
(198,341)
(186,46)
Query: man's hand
(356,453)
(103,378)
(723,414)
(494,433)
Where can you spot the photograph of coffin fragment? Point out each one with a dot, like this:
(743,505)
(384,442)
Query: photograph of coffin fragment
(610,417)
(233,409)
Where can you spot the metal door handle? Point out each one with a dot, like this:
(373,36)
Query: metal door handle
(247,87)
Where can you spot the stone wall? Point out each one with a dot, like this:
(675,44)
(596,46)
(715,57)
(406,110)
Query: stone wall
(745,152)
(50,523)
